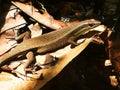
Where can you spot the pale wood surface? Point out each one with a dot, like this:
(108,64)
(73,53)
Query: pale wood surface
(10,82)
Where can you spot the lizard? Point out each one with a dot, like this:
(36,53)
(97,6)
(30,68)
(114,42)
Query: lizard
(50,41)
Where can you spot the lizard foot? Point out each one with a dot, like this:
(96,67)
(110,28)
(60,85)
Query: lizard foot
(97,40)
(20,72)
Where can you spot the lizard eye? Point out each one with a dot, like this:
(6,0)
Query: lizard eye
(91,25)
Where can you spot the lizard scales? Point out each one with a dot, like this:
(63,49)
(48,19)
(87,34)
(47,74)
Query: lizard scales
(47,42)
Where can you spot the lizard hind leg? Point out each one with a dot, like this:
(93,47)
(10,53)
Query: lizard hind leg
(49,61)
(22,70)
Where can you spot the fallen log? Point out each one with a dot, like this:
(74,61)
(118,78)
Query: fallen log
(42,76)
